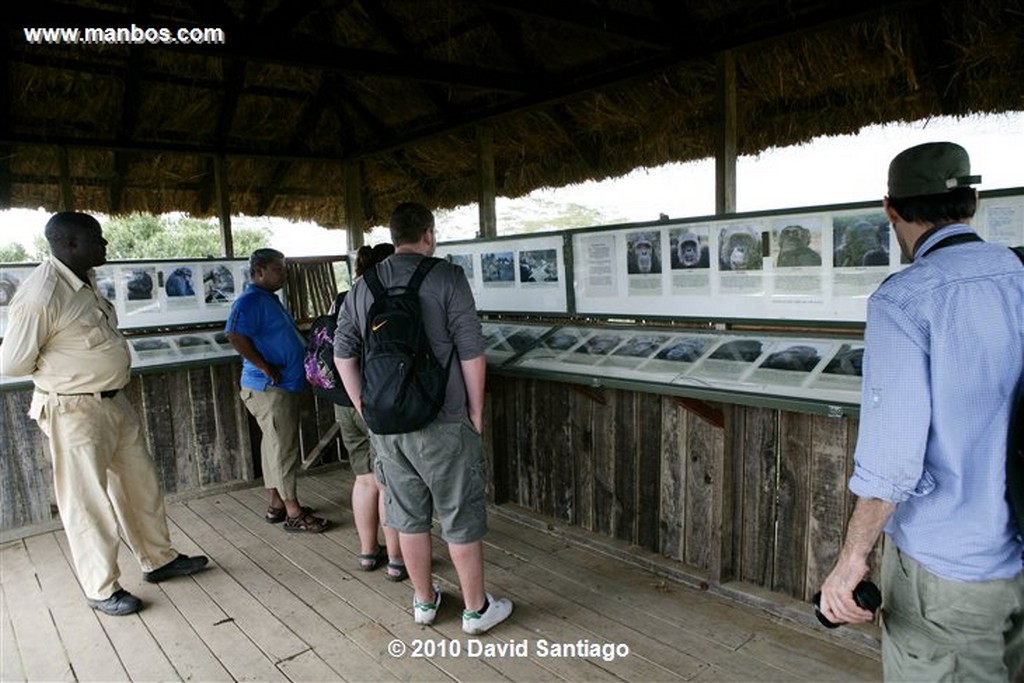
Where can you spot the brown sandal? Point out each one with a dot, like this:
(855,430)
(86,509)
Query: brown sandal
(306,522)
(278,515)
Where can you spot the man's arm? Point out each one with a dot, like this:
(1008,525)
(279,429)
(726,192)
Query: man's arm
(474,372)
(866,524)
(348,369)
(27,331)
(248,351)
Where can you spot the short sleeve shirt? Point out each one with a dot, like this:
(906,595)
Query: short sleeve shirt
(260,316)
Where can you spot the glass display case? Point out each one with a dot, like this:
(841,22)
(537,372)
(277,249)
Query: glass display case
(820,374)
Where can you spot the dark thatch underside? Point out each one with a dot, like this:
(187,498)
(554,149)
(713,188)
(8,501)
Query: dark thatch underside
(573,90)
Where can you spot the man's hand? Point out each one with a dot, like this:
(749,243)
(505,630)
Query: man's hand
(273,373)
(866,524)
(837,603)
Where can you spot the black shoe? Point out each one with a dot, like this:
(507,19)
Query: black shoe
(182,565)
(119,604)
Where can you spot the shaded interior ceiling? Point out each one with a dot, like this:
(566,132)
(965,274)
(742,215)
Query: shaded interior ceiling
(571,90)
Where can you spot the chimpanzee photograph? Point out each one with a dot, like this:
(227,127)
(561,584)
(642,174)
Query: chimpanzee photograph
(218,284)
(640,347)
(798,357)
(685,350)
(643,253)
(139,284)
(739,249)
(179,282)
(793,243)
(498,267)
(861,241)
(849,361)
(689,250)
(745,350)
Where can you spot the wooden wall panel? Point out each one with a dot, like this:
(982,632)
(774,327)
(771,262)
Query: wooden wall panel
(706,480)
(624,456)
(828,497)
(672,480)
(756,510)
(582,408)
(605,428)
(26,478)
(649,427)
(795,444)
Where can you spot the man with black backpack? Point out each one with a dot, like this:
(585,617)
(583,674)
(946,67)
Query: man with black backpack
(943,354)
(410,353)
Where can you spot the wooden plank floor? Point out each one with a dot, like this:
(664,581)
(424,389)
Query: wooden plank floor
(293,607)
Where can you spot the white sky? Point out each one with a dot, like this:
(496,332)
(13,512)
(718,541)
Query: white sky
(832,170)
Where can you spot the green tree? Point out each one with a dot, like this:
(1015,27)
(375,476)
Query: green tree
(145,236)
(13,253)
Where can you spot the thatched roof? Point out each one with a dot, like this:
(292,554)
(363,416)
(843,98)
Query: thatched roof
(573,90)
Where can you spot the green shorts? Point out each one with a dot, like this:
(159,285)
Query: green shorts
(440,467)
(356,438)
(937,629)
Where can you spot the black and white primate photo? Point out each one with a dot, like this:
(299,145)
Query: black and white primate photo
(643,253)
(685,350)
(218,284)
(689,250)
(861,242)
(139,284)
(849,361)
(600,344)
(745,350)
(179,282)
(739,249)
(799,357)
(640,347)
(794,248)
(539,265)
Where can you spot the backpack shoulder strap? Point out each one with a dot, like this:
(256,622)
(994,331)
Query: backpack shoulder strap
(372,280)
(421,271)
(336,306)
(1019,251)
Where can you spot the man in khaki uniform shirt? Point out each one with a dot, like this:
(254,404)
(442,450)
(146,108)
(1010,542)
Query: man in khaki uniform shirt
(64,334)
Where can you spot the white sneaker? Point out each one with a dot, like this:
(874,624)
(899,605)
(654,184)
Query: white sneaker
(498,610)
(425,612)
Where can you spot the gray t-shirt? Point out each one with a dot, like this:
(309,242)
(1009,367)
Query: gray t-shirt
(449,318)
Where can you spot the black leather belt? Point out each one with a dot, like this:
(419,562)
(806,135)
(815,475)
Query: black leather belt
(109,393)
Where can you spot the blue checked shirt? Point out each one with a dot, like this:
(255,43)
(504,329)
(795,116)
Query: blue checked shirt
(944,349)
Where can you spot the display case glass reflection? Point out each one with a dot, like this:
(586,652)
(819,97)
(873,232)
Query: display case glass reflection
(502,341)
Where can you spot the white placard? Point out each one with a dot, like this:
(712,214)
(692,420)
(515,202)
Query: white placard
(525,274)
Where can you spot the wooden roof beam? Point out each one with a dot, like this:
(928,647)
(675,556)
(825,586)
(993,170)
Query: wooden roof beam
(583,15)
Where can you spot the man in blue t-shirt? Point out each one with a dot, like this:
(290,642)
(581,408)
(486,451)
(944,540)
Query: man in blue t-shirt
(264,334)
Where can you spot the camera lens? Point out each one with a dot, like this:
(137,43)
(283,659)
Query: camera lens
(866,595)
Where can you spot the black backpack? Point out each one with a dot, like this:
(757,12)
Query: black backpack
(321,372)
(403,383)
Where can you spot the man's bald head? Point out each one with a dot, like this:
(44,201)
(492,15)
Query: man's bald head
(66,224)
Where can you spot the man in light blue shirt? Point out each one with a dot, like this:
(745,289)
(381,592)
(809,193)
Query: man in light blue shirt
(944,351)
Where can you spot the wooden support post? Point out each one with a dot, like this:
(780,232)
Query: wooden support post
(67,194)
(485,181)
(220,180)
(355,217)
(725,143)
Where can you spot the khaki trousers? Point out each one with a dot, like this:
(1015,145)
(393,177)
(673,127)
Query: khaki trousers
(104,478)
(935,629)
(277,413)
